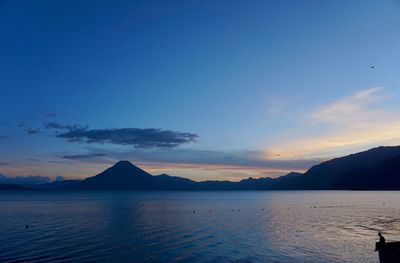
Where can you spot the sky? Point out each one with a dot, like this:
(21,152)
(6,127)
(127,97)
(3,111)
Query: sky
(208,90)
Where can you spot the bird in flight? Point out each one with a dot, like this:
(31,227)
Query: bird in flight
(372,67)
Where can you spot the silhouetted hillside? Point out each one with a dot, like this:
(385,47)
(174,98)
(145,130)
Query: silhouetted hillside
(355,171)
(126,176)
(54,185)
(11,187)
(377,168)
(383,176)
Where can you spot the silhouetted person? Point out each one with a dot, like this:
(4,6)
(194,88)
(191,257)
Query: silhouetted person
(381,239)
(380,243)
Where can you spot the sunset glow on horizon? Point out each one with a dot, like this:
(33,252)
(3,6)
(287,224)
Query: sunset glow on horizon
(204,90)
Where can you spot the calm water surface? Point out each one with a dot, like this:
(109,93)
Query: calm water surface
(283,226)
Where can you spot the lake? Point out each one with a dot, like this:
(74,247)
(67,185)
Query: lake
(238,226)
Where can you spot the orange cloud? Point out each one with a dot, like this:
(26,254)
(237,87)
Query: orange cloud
(347,125)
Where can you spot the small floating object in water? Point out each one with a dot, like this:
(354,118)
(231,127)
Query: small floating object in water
(26,226)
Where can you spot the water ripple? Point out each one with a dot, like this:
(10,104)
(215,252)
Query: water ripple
(293,226)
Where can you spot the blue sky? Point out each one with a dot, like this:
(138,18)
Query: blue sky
(227,89)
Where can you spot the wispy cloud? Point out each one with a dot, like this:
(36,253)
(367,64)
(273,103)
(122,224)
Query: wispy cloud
(244,159)
(84,156)
(50,114)
(59,162)
(352,123)
(353,110)
(32,131)
(34,159)
(56,125)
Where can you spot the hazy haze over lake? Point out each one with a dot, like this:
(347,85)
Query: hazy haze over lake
(284,226)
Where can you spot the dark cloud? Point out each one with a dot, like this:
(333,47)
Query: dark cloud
(56,125)
(5,164)
(30,179)
(32,131)
(28,130)
(138,138)
(84,156)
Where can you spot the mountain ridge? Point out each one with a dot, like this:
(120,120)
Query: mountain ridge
(374,169)
(354,171)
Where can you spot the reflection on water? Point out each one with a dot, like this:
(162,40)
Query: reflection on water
(286,226)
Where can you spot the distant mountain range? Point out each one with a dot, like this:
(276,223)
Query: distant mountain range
(375,169)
